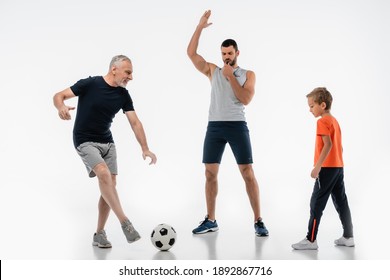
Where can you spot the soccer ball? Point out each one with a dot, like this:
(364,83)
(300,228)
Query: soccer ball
(163,237)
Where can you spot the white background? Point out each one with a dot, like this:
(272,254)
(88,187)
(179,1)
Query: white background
(47,202)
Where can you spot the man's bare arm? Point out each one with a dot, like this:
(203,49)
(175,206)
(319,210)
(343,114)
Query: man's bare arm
(243,93)
(199,62)
(58,100)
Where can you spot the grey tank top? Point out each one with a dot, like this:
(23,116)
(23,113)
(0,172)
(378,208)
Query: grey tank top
(224,105)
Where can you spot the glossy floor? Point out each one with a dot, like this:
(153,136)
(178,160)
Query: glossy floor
(236,242)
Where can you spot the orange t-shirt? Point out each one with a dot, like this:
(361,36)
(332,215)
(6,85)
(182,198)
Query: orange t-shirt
(328,125)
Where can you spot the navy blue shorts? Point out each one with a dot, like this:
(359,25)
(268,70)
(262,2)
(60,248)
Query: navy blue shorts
(236,133)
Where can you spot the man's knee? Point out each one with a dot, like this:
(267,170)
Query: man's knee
(247,173)
(211,173)
(103,173)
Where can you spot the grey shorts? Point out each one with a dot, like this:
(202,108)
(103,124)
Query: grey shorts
(93,153)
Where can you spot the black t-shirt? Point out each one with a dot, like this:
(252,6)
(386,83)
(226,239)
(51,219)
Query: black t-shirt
(97,105)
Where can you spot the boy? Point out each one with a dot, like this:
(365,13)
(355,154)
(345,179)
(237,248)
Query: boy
(328,172)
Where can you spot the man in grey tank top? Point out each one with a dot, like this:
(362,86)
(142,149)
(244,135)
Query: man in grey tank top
(231,89)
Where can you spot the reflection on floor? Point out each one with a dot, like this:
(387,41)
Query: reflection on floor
(223,245)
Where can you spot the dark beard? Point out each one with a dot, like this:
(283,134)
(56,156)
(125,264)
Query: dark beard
(231,63)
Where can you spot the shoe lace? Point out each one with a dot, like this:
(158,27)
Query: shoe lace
(129,228)
(204,221)
(260,224)
(103,235)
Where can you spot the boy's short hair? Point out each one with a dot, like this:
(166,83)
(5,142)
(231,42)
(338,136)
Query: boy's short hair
(321,94)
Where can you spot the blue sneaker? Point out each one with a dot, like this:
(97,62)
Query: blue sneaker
(260,228)
(206,226)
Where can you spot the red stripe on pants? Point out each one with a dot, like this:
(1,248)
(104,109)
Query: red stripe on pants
(312,230)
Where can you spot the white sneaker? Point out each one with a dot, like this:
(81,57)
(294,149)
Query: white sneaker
(342,241)
(305,245)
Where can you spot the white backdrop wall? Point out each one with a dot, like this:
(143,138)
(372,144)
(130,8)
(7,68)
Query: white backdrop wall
(293,47)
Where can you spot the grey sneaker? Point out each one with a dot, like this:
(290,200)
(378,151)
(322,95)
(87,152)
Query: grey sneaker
(131,234)
(305,245)
(342,241)
(100,240)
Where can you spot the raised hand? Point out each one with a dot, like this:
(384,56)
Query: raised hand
(203,22)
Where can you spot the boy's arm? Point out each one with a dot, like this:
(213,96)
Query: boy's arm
(324,154)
